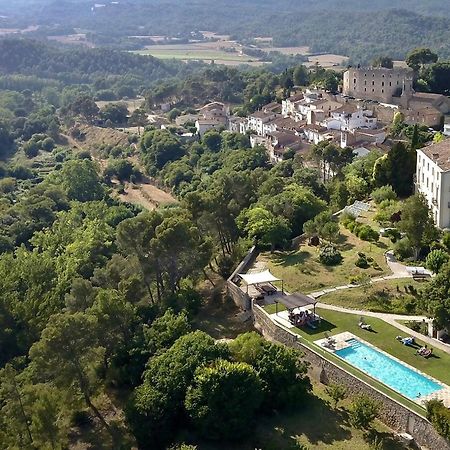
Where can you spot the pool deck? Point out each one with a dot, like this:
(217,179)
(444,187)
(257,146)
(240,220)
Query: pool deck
(340,341)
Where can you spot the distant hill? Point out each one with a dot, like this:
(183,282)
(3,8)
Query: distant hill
(358,29)
(78,65)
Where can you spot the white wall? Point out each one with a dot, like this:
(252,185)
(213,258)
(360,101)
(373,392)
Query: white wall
(435,186)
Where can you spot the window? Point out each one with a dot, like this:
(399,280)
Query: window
(382,91)
(427,182)
(373,90)
(390,83)
(373,83)
(428,167)
(365,89)
(432,171)
(365,83)
(354,80)
(432,186)
(382,83)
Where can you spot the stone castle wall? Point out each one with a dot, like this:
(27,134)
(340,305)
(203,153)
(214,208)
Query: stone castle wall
(377,83)
(240,298)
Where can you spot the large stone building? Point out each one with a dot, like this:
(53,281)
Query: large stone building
(380,84)
(433,180)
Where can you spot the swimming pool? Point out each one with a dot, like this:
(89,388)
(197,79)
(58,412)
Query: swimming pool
(393,373)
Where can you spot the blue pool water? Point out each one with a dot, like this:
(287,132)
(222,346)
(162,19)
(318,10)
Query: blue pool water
(387,370)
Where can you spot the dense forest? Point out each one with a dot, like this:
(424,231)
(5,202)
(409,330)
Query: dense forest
(99,297)
(360,31)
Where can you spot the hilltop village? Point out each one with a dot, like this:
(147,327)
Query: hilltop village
(357,118)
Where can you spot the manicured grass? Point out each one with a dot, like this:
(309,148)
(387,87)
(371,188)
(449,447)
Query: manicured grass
(383,337)
(384,296)
(303,272)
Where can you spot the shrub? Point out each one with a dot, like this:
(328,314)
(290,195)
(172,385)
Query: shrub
(31,149)
(363,412)
(337,392)
(225,265)
(367,233)
(393,234)
(347,219)
(436,260)
(48,144)
(403,249)
(362,262)
(439,416)
(7,185)
(383,193)
(21,172)
(446,239)
(330,255)
(351,226)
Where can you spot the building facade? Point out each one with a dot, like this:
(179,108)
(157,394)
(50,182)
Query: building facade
(380,84)
(433,180)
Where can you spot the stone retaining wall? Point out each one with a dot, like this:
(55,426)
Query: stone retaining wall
(240,298)
(396,416)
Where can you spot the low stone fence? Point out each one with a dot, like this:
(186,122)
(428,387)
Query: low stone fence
(240,298)
(395,415)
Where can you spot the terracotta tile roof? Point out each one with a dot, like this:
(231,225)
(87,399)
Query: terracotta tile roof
(260,114)
(439,154)
(296,97)
(346,109)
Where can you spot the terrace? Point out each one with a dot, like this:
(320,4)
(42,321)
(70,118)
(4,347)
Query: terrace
(383,336)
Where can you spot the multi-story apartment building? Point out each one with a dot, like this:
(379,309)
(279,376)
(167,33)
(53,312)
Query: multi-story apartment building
(433,180)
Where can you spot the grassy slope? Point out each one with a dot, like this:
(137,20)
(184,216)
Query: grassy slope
(382,297)
(303,272)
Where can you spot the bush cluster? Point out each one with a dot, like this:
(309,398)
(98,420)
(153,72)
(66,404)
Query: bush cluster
(330,255)
(383,193)
(363,231)
(439,416)
(36,143)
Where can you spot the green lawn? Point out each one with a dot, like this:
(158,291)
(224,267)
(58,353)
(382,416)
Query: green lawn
(303,272)
(383,337)
(393,296)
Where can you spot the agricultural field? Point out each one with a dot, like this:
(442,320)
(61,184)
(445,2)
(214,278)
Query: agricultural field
(131,103)
(204,51)
(328,61)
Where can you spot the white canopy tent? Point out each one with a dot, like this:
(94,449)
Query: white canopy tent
(256,278)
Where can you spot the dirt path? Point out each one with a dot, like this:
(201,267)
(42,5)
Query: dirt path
(146,195)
